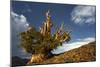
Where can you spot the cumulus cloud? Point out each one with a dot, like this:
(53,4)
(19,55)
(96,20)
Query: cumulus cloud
(19,24)
(83,15)
(73,45)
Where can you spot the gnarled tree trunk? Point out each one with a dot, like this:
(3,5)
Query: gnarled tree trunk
(37,58)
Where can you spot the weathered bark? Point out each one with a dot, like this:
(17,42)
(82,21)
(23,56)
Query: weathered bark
(37,59)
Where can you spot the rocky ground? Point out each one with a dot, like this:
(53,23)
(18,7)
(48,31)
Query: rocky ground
(84,53)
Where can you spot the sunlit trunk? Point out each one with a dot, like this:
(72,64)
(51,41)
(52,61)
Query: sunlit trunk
(37,58)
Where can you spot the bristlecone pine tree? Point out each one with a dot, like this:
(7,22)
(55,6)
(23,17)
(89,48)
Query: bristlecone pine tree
(40,42)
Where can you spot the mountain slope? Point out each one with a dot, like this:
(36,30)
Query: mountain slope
(82,54)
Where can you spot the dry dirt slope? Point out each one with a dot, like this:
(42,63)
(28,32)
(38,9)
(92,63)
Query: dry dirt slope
(82,54)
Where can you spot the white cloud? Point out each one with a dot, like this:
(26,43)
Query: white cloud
(73,45)
(89,39)
(83,15)
(19,24)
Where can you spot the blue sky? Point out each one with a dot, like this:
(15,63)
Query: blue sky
(79,18)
